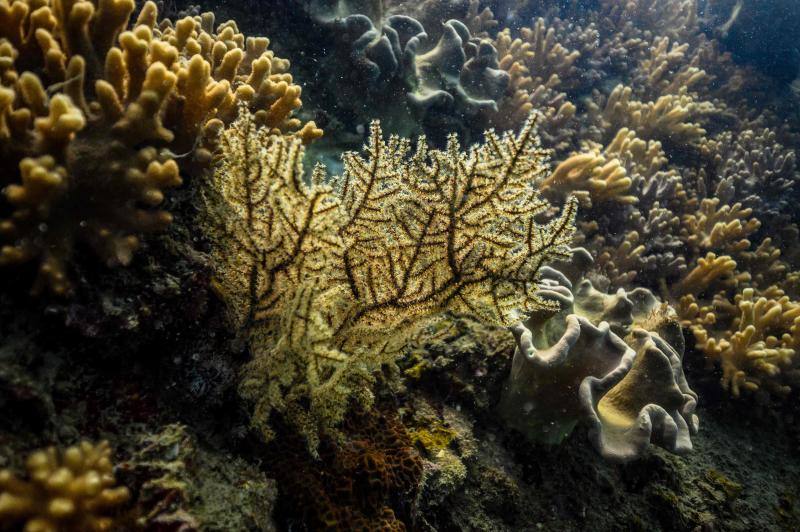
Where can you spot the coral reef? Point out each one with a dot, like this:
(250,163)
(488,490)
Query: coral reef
(645,115)
(357,269)
(95,117)
(330,349)
(71,490)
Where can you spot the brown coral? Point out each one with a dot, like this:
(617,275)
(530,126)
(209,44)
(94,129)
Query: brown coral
(365,482)
(69,491)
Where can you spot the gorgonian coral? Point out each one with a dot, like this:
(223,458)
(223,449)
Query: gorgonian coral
(329,282)
(95,120)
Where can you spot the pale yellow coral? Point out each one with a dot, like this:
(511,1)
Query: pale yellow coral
(677,19)
(622,263)
(537,66)
(535,57)
(722,228)
(763,345)
(93,130)
(667,70)
(709,270)
(70,491)
(668,118)
(603,180)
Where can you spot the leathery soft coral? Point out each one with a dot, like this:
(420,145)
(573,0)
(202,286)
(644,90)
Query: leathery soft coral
(96,121)
(611,360)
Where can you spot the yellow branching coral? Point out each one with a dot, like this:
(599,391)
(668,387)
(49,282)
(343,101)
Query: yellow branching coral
(600,174)
(677,19)
(622,263)
(761,351)
(71,491)
(668,118)
(721,228)
(538,68)
(709,270)
(601,179)
(665,70)
(93,116)
(535,57)
(328,283)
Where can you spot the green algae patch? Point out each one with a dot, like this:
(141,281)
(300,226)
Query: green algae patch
(729,488)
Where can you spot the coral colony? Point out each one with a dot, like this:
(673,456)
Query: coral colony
(664,211)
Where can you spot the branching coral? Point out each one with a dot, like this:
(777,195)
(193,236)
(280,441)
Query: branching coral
(677,20)
(759,349)
(699,176)
(69,491)
(723,228)
(539,58)
(539,69)
(756,169)
(668,118)
(93,115)
(608,174)
(599,179)
(667,71)
(329,283)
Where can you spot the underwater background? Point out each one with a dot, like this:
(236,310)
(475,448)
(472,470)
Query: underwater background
(389,265)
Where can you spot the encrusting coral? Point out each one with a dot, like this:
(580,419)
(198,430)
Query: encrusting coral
(69,491)
(97,121)
(366,482)
(328,283)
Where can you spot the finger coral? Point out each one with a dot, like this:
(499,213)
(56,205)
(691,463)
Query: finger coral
(757,346)
(68,491)
(94,118)
(329,282)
